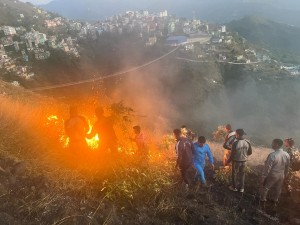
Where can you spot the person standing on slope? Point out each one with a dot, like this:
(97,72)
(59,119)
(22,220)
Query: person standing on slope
(76,128)
(104,127)
(294,154)
(240,151)
(229,139)
(185,151)
(275,170)
(202,150)
(141,143)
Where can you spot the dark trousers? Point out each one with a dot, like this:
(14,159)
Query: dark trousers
(274,183)
(238,174)
(188,174)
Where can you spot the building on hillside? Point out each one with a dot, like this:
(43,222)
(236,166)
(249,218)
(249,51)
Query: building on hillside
(176,40)
(151,41)
(34,38)
(9,31)
(6,41)
(223,29)
(163,14)
(41,54)
(239,58)
(16,45)
(171,27)
(216,40)
(52,42)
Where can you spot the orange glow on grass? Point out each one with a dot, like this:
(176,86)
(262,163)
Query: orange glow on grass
(53,120)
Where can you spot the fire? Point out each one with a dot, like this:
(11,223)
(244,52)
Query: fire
(94,142)
(53,120)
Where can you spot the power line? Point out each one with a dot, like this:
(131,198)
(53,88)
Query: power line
(104,77)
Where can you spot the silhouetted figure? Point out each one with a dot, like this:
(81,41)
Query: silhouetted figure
(240,151)
(76,128)
(142,154)
(276,169)
(142,147)
(185,151)
(229,139)
(104,127)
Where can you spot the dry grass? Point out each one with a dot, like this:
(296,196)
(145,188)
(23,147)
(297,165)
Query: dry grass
(60,188)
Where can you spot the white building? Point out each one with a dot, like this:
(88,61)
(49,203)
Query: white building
(223,29)
(9,30)
(163,14)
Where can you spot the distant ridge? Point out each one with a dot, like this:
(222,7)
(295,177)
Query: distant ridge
(220,11)
(281,39)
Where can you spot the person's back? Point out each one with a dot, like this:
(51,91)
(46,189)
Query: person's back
(107,124)
(185,152)
(201,152)
(229,140)
(104,128)
(275,171)
(278,162)
(241,149)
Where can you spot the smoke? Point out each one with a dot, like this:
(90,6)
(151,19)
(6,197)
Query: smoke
(266,109)
(166,96)
(148,93)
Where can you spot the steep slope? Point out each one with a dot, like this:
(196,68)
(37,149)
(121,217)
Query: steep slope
(10,14)
(282,39)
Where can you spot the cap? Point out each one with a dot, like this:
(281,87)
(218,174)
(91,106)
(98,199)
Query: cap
(240,132)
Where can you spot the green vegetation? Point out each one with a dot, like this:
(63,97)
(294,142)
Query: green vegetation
(282,40)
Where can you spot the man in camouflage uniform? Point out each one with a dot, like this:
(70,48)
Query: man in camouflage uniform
(294,160)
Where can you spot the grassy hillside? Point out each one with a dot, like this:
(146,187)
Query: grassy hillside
(281,39)
(57,187)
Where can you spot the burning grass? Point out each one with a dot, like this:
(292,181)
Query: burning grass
(92,187)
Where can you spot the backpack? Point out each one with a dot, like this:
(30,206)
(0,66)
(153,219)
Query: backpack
(230,139)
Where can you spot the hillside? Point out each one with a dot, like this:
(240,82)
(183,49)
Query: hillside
(281,39)
(17,13)
(47,184)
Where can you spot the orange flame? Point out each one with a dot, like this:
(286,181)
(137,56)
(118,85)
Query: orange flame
(94,142)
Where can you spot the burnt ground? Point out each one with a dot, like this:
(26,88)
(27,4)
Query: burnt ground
(132,198)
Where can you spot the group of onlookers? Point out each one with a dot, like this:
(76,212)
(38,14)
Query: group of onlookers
(277,169)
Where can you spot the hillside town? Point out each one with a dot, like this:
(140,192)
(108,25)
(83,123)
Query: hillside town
(199,40)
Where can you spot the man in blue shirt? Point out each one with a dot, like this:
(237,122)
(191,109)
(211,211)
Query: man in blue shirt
(202,150)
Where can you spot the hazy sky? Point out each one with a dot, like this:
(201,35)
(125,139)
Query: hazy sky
(37,1)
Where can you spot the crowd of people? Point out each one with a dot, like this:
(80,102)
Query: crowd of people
(192,156)
(191,160)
